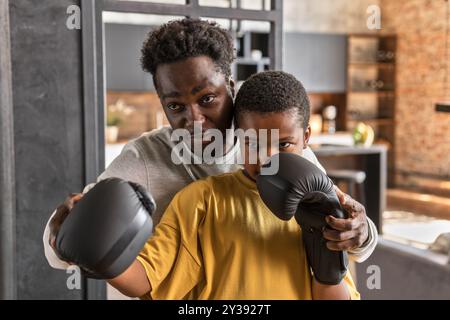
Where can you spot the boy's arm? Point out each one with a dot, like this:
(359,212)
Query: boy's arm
(330,292)
(169,265)
(133,282)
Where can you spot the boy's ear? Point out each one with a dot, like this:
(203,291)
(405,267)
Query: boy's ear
(306,136)
(232,85)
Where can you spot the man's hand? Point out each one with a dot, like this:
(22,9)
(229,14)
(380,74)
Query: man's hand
(61,214)
(349,233)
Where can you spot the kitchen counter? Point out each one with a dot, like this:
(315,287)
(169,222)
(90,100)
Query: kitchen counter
(328,150)
(373,161)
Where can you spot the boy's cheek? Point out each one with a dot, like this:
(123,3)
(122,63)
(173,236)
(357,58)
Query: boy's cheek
(297,149)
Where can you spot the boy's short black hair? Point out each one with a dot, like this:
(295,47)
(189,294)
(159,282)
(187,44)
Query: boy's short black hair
(186,38)
(273,91)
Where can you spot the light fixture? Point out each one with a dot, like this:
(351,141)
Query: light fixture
(444,106)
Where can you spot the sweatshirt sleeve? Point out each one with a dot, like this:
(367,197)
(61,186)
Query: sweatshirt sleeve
(129,166)
(362,253)
(309,155)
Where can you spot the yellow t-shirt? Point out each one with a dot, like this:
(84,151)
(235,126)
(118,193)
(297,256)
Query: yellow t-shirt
(217,240)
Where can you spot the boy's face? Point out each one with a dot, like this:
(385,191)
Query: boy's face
(193,90)
(291,136)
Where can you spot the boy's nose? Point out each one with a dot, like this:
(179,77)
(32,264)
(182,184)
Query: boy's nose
(266,153)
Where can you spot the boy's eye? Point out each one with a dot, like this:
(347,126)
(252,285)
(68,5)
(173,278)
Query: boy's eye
(207,99)
(174,107)
(285,145)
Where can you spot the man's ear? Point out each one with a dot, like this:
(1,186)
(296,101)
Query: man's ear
(306,136)
(232,85)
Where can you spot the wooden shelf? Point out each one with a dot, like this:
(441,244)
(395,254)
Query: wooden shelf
(372,64)
(383,92)
(372,35)
(366,53)
(245,65)
(374,121)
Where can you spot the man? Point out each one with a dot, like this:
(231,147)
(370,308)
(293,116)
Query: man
(190,61)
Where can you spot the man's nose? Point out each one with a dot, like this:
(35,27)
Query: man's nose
(194,114)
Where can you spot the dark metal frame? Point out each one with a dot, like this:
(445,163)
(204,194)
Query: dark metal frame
(8,287)
(94,69)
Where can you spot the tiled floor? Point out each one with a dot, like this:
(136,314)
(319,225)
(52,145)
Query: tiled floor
(417,230)
(419,202)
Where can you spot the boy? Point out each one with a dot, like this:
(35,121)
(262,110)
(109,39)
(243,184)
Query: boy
(217,240)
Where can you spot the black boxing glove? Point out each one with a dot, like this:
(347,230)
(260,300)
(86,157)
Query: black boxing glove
(300,189)
(107,228)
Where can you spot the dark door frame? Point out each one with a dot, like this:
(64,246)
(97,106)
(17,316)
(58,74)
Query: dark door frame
(8,278)
(94,70)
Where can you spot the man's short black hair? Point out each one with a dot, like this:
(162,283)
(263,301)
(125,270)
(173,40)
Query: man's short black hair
(186,38)
(273,91)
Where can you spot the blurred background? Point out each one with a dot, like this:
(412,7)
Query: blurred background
(377,73)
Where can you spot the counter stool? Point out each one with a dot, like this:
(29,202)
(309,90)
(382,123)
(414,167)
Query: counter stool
(350,178)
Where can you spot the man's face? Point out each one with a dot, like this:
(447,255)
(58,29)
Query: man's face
(291,137)
(193,90)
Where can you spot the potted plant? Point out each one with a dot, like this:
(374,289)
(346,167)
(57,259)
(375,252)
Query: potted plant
(112,127)
(116,114)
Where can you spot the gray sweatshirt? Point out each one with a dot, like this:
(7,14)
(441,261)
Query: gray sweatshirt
(147,160)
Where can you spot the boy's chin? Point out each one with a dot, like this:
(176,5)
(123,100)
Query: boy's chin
(251,175)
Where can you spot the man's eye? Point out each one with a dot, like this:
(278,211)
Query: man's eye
(208,99)
(285,145)
(174,107)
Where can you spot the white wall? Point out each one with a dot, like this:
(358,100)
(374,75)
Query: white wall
(326,16)
(323,16)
